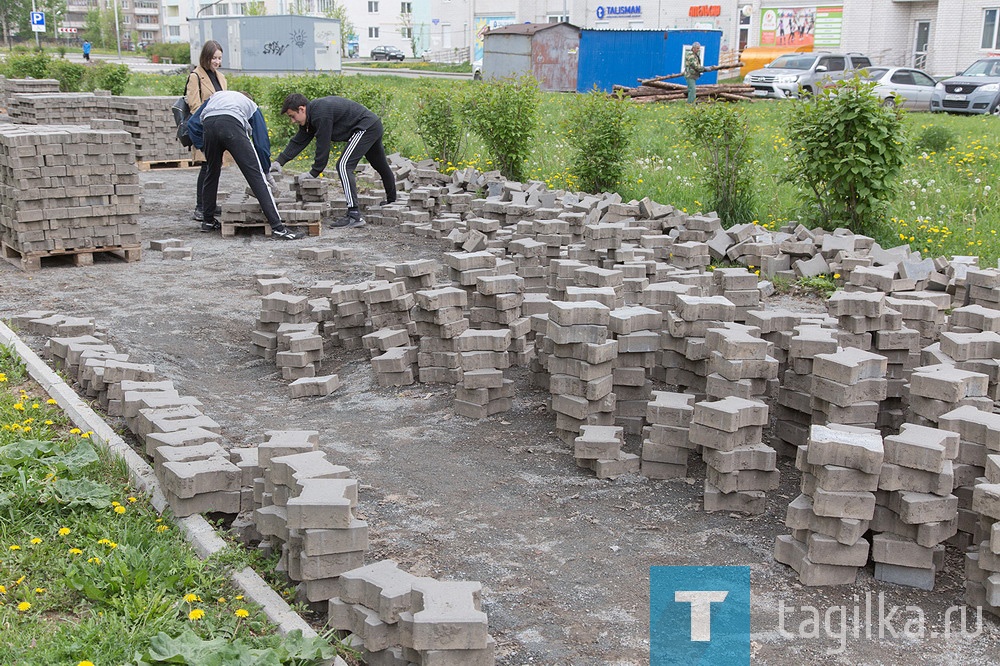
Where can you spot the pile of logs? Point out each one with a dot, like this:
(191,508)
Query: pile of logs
(658,89)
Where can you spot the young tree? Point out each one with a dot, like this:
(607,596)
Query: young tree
(338,11)
(255,8)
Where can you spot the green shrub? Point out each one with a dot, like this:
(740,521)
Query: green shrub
(21,66)
(179,53)
(504,113)
(936,139)
(439,122)
(372,94)
(721,130)
(69,74)
(106,76)
(255,86)
(847,151)
(600,131)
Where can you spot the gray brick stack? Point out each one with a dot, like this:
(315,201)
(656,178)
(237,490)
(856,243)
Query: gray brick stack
(598,448)
(740,467)
(794,410)
(636,332)
(666,445)
(465,267)
(740,363)
(440,318)
(848,387)
(482,357)
(9,87)
(414,275)
(982,565)
(915,511)
(276,308)
(739,286)
(388,305)
(350,322)
(530,255)
(937,389)
(67,188)
(979,433)
(684,331)
(299,350)
(400,619)
(983,287)
(840,473)
(496,301)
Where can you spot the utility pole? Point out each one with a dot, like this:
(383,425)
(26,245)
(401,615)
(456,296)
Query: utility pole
(118,39)
(38,43)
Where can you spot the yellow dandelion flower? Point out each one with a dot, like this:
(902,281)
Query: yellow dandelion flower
(133,499)
(241,613)
(3,590)
(19,580)
(836,276)
(120,510)
(50,401)
(85,663)
(23,606)
(162,528)
(19,406)
(39,590)
(221,600)
(238,597)
(191,598)
(63,531)
(86,435)
(94,560)
(15,547)
(75,551)
(49,422)
(35,405)
(35,541)
(196,614)
(74,431)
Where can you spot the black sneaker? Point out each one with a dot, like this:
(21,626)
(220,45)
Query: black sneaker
(284,233)
(199,215)
(208,227)
(345,221)
(355,223)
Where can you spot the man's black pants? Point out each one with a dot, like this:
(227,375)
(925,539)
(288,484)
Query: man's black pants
(224,133)
(368,144)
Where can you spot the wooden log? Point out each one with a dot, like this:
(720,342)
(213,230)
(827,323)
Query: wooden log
(735,98)
(713,68)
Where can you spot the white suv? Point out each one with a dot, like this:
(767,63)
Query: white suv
(809,72)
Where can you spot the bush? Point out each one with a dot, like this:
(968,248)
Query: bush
(847,150)
(439,123)
(254,86)
(27,65)
(721,130)
(936,139)
(106,76)
(504,114)
(69,74)
(600,131)
(179,53)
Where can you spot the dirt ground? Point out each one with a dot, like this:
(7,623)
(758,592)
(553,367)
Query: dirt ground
(563,557)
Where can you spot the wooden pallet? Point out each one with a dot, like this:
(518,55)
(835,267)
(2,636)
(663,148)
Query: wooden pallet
(167,164)
(232,228)
(84,256)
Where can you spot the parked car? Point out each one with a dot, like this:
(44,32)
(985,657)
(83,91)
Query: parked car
(901,86)
(792,72)
(976,90)
(387,53)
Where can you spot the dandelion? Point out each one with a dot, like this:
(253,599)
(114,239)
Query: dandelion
(35,541)
(74,431)
(75,551)
(191,598)
(87,435)
(94,560)
(133,500)
(162,528)
(19,406)
(3,378)
(39,590)
(3,590)
(15,547)
(196,614)
(23,606)
(242,613)
(238,597)
(836,276)
(221,600)
(63,531)
(85,663)
(51,401)
(120,509)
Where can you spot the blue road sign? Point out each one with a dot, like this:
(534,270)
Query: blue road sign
(38,21)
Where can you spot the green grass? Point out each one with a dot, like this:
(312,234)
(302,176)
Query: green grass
(946,202)
(88,570)
(414,64)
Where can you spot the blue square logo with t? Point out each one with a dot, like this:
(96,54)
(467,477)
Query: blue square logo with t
(699,616)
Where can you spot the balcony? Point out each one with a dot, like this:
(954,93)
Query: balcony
(146,11)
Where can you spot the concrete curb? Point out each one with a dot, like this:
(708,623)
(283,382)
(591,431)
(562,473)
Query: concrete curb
(198,531)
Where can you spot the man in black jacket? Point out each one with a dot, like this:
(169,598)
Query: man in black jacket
(338,119)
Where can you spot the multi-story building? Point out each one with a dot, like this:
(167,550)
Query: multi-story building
(140,19)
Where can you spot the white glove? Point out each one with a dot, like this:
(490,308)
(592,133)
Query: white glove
(275,167)
(306,176)
(272,184)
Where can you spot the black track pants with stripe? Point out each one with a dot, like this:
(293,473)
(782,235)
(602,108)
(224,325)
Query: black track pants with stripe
(368,144)
(224,133)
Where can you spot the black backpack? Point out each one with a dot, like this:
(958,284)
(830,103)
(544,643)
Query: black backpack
(182,113)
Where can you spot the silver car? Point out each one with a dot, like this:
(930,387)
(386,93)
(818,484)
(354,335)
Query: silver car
(809,72)
(976,90)
(901,86)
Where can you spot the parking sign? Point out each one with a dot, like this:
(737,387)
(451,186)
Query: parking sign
(38,21)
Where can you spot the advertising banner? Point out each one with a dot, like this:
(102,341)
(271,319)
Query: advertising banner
(792,27)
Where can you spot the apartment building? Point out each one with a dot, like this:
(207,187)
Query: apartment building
(140,19)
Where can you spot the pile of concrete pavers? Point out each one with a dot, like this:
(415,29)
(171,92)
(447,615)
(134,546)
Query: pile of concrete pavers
(9,87)
(666,445)
(68,188)
(148,119)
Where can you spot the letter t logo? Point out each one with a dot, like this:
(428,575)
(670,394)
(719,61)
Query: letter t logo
(701,610)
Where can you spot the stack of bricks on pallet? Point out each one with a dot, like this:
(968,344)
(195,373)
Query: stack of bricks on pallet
(685,353)
(982,565)
(598,448)
(149,120)
(739,286)
(398,619)
(840,473)
(794,404)
(440,318)
(483,390)
(580,361)
(304,507)
(636,330)
(740,363)
(9,87)
(740,467)
(67,188)
(666,444)
(393,356)
(847,387)
(915,512)
(313,193)
(979,433)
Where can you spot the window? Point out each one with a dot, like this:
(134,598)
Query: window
(373,6)
(922,79)
(221,10)
(407,33)
(174,30)
(903,77)
(406,8)
(126,20)
(124,4)
(373,33)
(557,18)
(990,29)
(832,64)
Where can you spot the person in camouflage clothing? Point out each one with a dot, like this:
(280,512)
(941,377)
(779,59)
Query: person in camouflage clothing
(692,69)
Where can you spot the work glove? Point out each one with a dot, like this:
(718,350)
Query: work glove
(275,168)
(271,183)
(306,176)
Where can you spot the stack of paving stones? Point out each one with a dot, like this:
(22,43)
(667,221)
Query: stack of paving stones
(496,301)
(394,357)
(278,306)
(439,315)
(937,389)
(915,512)
(482,358)
(9,87)
(684,333)
(848,387)
(414,275)
(305,507)
(636,332)
(840,474)
(68,188)
(580,364)
(350,322)
(666,445)
(312,193)
(982,564)
(983,287)
(388,305)
(530,257)
(740,467)
(299,350)
(793,414)
(740,364)
(979,439)
(923,312)
(598,448)
(465,267)
(739,286)
(397,619)
(974,352)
